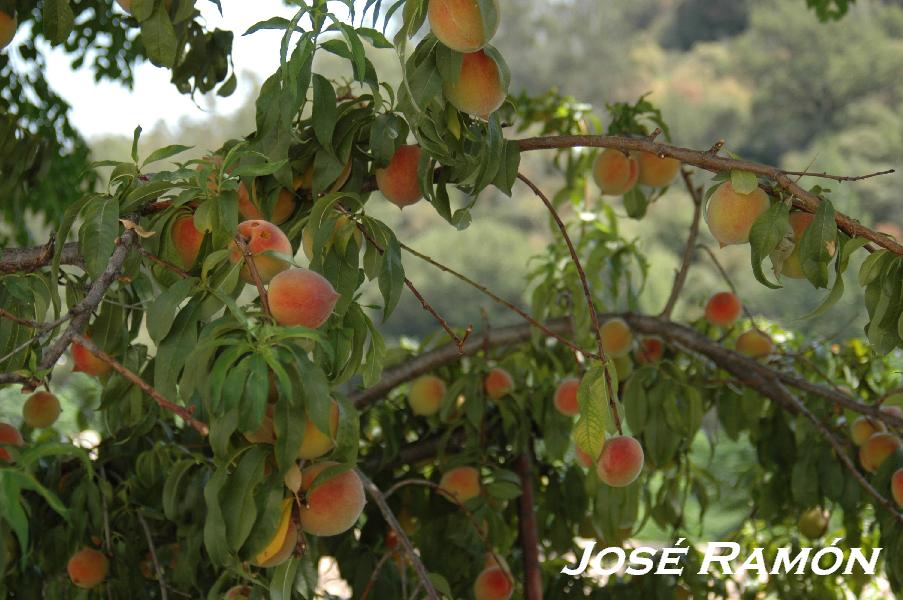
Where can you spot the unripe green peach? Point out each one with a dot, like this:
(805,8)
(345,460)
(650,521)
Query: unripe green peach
(301,297)
(616,337)
(621,461)
(398,180)
(656,171)
(8,26)
(262,237)
(187,239)
(333,506)
(723,309)
(813,523)
(498,383)
(478,90)
(41,410)
(460,24)
(462,483)
(493,584)
(615,172)
(87,568)
(10,436)
(315,443)
(896,486)
(876,450)
(863,428)
(426,395)
(651,349)
(730,215)
(792,267)
(565,399)
(85,361)
(754,344)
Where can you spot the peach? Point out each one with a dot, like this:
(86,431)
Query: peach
(41,410)
(723,309)
(651,349)
(187,239)
(237,592)
(266,432)
(478,90)
(391,539)
(584,458)
(498,383)
(426,395)
(792,267)
(616,337)
(565,399)
(623,366)
(333,506)
(754,344)
(493,584)
(813,523)
(863,428)
(281,211)
(892,410)
(9,436)
(615,172)
(461,25)
(876,450)
(656,171)
(262,236)
(398,180)
(8,26)
(343,225)
(461,483)
(87,568)
(85,361)
(896,486)
(315,443)
(301,297)
(283,542)
(730,215)
(621,461)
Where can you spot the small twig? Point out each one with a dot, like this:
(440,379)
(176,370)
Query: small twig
(655,133)
(376,570)
(689,249)
(389,516)
(163,263)
(586,292)
(529,536)
(824,175)
(242,244)
(153,552)
(161,401)
(716,147)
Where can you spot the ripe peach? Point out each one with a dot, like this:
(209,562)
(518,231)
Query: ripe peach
(616,337)
(281,211)
(498,383)
(896,486)
(301,297)
(621,461)
(10,436)
(86,362)
(584,458)
(792,267)
(8,26)
(876,449)
(730,215)
(813,523)
(398,181)
(754,344)
(615,172)
(723,309)
(262,236)
(315,443)
(493,584)
(863,428)
(478,90)
(335,505)
(87,568)
(656,171)
(460,25)
(651,349)
(187,239)
(343,225)
(462,483)
(426,395)
(565,399)
(237,592)
(41,410)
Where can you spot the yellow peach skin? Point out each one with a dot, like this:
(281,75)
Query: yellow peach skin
(615,172)
(730,215)
(460,25)
(261,236)
(478,90)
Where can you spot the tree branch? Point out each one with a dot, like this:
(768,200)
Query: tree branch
(529,536)
(35,257)
(248,257)
(689,249)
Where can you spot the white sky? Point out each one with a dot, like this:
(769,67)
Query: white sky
(109,108)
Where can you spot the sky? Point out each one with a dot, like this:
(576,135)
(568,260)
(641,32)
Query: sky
(108,108)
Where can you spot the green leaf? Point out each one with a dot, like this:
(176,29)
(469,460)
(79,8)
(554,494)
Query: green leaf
(214,523)
(847,247)
(817,244)
(162,312)
(58,20)
(97,235)
(143,9)
(765,235)
(239,509)
(391,276)
(172,486)
(744,182)
(282,581)
(159,37)
(165,152)
(325,110)
(259,169)
(635,202)
(594,396)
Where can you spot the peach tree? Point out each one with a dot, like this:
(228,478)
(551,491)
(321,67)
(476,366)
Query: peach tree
(253,418)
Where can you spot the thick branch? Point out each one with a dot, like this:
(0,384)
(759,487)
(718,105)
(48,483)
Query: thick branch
(29,259)
(529,536)
(710,161)
(689,249)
